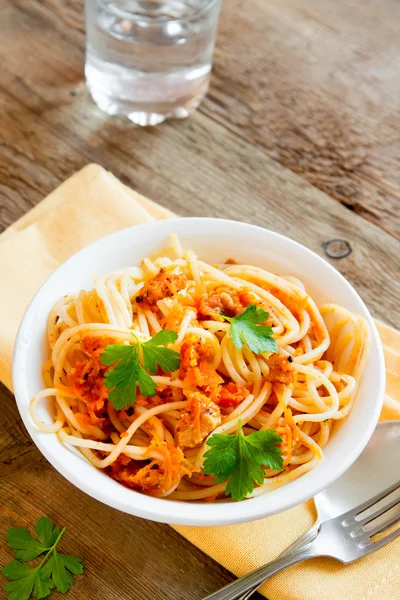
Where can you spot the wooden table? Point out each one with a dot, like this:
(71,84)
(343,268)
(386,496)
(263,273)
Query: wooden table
(300,133)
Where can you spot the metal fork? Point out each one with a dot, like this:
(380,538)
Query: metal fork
(346,538)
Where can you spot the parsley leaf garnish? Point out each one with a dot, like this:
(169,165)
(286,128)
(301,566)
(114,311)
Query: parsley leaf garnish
(53,571)
(129,373)
(246,329)
(126,375)
(240,458)
(60,567)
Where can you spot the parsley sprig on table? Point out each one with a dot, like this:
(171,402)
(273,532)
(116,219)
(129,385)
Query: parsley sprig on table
(54,571)
(240,458)
(129,373)
(246,329)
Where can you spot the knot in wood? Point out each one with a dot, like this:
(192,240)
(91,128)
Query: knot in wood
(337,248)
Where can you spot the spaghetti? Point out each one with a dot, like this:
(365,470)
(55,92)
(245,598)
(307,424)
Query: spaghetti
(157,444)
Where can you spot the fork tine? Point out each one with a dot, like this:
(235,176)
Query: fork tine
(385,525)
(351,514)
(379,512)
(371,547)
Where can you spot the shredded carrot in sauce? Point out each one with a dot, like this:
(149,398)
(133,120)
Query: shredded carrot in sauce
(86,381)
(202,376)
(229,395)
(286,433)
(196,368)
(280,369)
(210,499)
(158,476)
(199,419)
(222,301)
(163,285)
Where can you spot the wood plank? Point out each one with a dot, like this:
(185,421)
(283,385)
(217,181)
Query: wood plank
(313,83)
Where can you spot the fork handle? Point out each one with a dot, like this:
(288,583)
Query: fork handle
(236,589)
(307,537)
(302,541)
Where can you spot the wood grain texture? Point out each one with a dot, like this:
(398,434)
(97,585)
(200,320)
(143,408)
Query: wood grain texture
(299,87)
(315,84)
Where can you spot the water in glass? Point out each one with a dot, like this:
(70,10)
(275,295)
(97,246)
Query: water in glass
(149,59)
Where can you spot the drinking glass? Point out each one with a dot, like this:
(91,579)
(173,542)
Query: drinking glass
(149,60)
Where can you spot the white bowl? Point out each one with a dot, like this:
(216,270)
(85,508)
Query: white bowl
(214,240)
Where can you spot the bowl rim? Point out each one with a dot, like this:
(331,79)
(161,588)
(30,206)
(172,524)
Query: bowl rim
(179,512)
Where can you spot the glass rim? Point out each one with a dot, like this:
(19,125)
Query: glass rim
(149,20)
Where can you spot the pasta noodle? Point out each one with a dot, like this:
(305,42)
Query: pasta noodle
(157,444)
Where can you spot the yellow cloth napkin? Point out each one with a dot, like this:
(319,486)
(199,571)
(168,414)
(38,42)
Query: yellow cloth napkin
(92,204)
